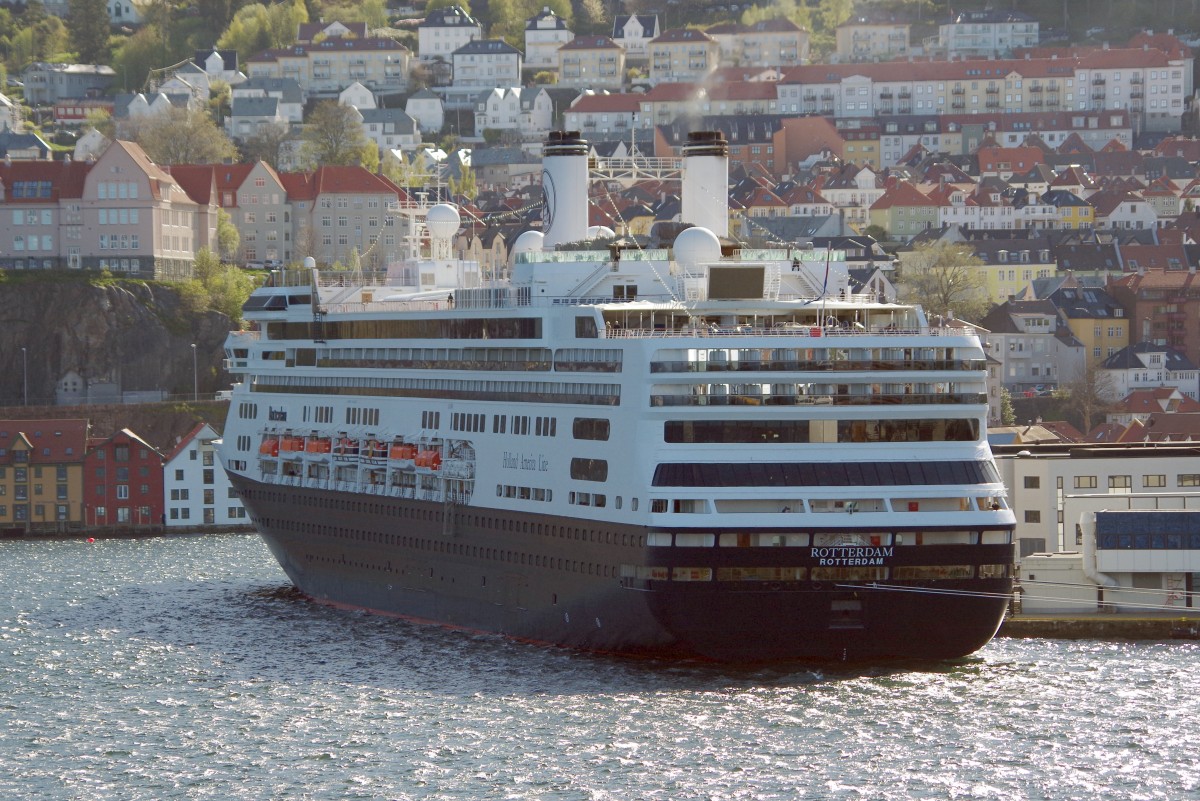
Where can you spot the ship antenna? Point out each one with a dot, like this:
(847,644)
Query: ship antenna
(825,283)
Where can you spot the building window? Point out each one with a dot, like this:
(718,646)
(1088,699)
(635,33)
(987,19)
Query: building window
(1120,483)
(1032,482)
(1033,516)
(1085,482)
(1154,481)
(1188,480)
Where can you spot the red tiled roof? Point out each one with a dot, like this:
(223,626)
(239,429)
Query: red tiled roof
(49,441)
(743,90)
(902,194)
(590,43)
(66,179)
(612,104)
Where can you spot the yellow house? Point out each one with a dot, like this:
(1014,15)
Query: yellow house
(1073,211)
(41,474)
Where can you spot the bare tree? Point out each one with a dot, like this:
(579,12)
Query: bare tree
(944,278)
(1089,395)
(267,144)
(334,135)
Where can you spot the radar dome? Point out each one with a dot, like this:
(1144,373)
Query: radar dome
(528,242)
(443,221)
(600,232)
(696,245)
(310,263)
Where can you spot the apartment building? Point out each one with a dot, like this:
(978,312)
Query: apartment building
(326,67)
(545,32)
(591,62)
(486,63)
(682,55)
(340,210)
(861,39)
(777,42)
(634,32)
(603,113)
(196,489)
(122,483)
(987,33)
(41,474)
(445,30)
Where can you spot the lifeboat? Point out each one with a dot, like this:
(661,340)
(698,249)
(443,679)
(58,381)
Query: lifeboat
(292,444)
(269,447)
(346,447)
(402,451)
(429,459)
(317,445)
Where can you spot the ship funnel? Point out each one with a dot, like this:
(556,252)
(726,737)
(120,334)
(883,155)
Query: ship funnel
(564,188)
(706,181)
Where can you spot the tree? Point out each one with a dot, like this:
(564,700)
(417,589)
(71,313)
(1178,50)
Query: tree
(1088,395)
(1008,416)
(267,144)
(228,236)
(876,232)
(590,16)
(944,279)
(334,136)
(792,10)
(88,25)
(184,136)
(216,286)
(465,185)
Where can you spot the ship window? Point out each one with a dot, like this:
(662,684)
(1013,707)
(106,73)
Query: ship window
(594,428)
(585,328)
(589,469)
(838,474)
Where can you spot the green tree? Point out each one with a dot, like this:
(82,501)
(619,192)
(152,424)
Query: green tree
(184,136)
(792,10)
(1008,415)
(134,58)
(228,236)
(88,25)
(876,232)
(334,135)
(465,186)
(944,278)
(216,286)
(590,16)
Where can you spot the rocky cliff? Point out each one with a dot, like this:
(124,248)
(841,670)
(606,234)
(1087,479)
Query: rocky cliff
(137,336)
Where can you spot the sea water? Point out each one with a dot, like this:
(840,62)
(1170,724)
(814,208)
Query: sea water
(183,668)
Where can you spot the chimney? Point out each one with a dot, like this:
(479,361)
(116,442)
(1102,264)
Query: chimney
(706,182)
(564,188)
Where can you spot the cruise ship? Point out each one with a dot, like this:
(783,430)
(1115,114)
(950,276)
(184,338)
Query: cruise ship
(698,451)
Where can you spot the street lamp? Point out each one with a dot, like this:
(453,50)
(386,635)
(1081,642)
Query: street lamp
(195,376)
(24,377)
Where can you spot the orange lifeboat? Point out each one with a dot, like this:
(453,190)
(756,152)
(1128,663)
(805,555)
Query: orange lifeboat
(269,447)
(292,444)
(400,450)
(429,459)
(317,445)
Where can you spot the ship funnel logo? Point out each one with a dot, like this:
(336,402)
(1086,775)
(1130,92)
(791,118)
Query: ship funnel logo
(548,201)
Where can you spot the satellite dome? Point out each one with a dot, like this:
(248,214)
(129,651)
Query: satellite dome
(600,232)
(696,245)
(528,242)
(443,221)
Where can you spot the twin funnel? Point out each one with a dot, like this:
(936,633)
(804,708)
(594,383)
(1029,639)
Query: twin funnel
(565,185)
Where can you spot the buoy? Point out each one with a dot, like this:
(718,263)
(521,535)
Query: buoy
(91,539)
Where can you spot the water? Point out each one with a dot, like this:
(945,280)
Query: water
(181,669)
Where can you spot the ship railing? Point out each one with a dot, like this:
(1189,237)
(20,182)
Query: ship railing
(802,331)
(925,399)
(821,365)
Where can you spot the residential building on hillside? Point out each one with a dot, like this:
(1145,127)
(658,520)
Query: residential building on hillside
(42,475)
(123,213)
(591,62)
(682,55)
(987,33)
(777,42)
(47,84)
(1145,365)
(329,66)
(1165,300)
(486,63)
(445,30)
(336,210)
(286,90)
(545,32)
(196,489)
(1036,351)
(860,39)
(634,32)
(603,114)
(122,483)
(428,109)
(1077,82)
(1094,317)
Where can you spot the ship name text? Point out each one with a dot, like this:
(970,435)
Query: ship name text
(519,461)
(276,414)
(851,556)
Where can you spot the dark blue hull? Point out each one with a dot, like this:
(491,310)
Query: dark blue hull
(596,586)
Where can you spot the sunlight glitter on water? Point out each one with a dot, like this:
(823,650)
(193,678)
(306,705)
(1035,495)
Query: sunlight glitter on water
(176,669)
